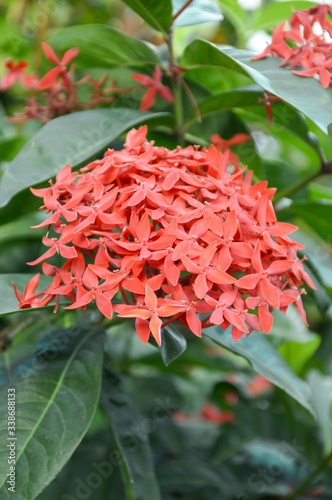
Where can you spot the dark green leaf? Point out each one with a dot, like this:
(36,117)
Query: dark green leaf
(21,228)
(322,397)
(130,440)
(243,96)
(198,12)
(269,75)
(266,361)
(156,13)
(103,46)
(298,342)
(73,139)
(10,147)
(173,344)
(317,215)
(56,396)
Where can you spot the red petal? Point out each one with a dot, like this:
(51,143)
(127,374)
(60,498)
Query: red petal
(69,55)
(143,329)
(270,292)
(49,53)
(151,300)
(194,323)
(49,79)
(266,318)
(148,100)
(155,327)
(104,305)
(200,286)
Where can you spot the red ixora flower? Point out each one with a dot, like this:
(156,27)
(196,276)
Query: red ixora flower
(306,47)
(162,235)
(16,73)
(60,70)
(154,87)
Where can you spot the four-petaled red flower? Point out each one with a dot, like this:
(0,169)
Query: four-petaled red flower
(16,73)
(154,86)
(60,71)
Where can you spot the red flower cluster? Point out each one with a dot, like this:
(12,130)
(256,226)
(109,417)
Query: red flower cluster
(307,43)
(180,235)
(57,91)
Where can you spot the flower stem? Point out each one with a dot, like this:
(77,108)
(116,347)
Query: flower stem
(285,193)
(300,489)
(177,91)
(184,6)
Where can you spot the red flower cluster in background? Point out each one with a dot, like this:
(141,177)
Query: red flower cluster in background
(306,44)
(178,234)
(56,93)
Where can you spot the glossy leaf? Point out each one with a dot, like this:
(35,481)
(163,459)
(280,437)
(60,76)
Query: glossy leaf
(266,361)
(73,139)
(57,390)
(173,344)
(298,343)
(268,74)
(198,12)
(131,442)
(241,97)
(157,14)
(322,397)
(318,215)
(103,46)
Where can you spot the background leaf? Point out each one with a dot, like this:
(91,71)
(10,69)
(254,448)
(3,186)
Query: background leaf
(157,14)
(266,361)
(322,397)
(173,344)
(198,12)
(133,447)
(103,46)
(57,391)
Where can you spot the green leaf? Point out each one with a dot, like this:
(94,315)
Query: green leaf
(10,147)
(269,75)
(130,440)
(322,397)
(103,46)
(21,227)
(299,343)
(273,14)
(173,344)
(73,139)
(317,215)
(198,12)
(154,12)
(241,97)
(236,15)
(266,361)
(56,392)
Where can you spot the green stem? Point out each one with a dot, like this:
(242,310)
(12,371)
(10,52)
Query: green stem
(284,193)
(300,489)
(177,91)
